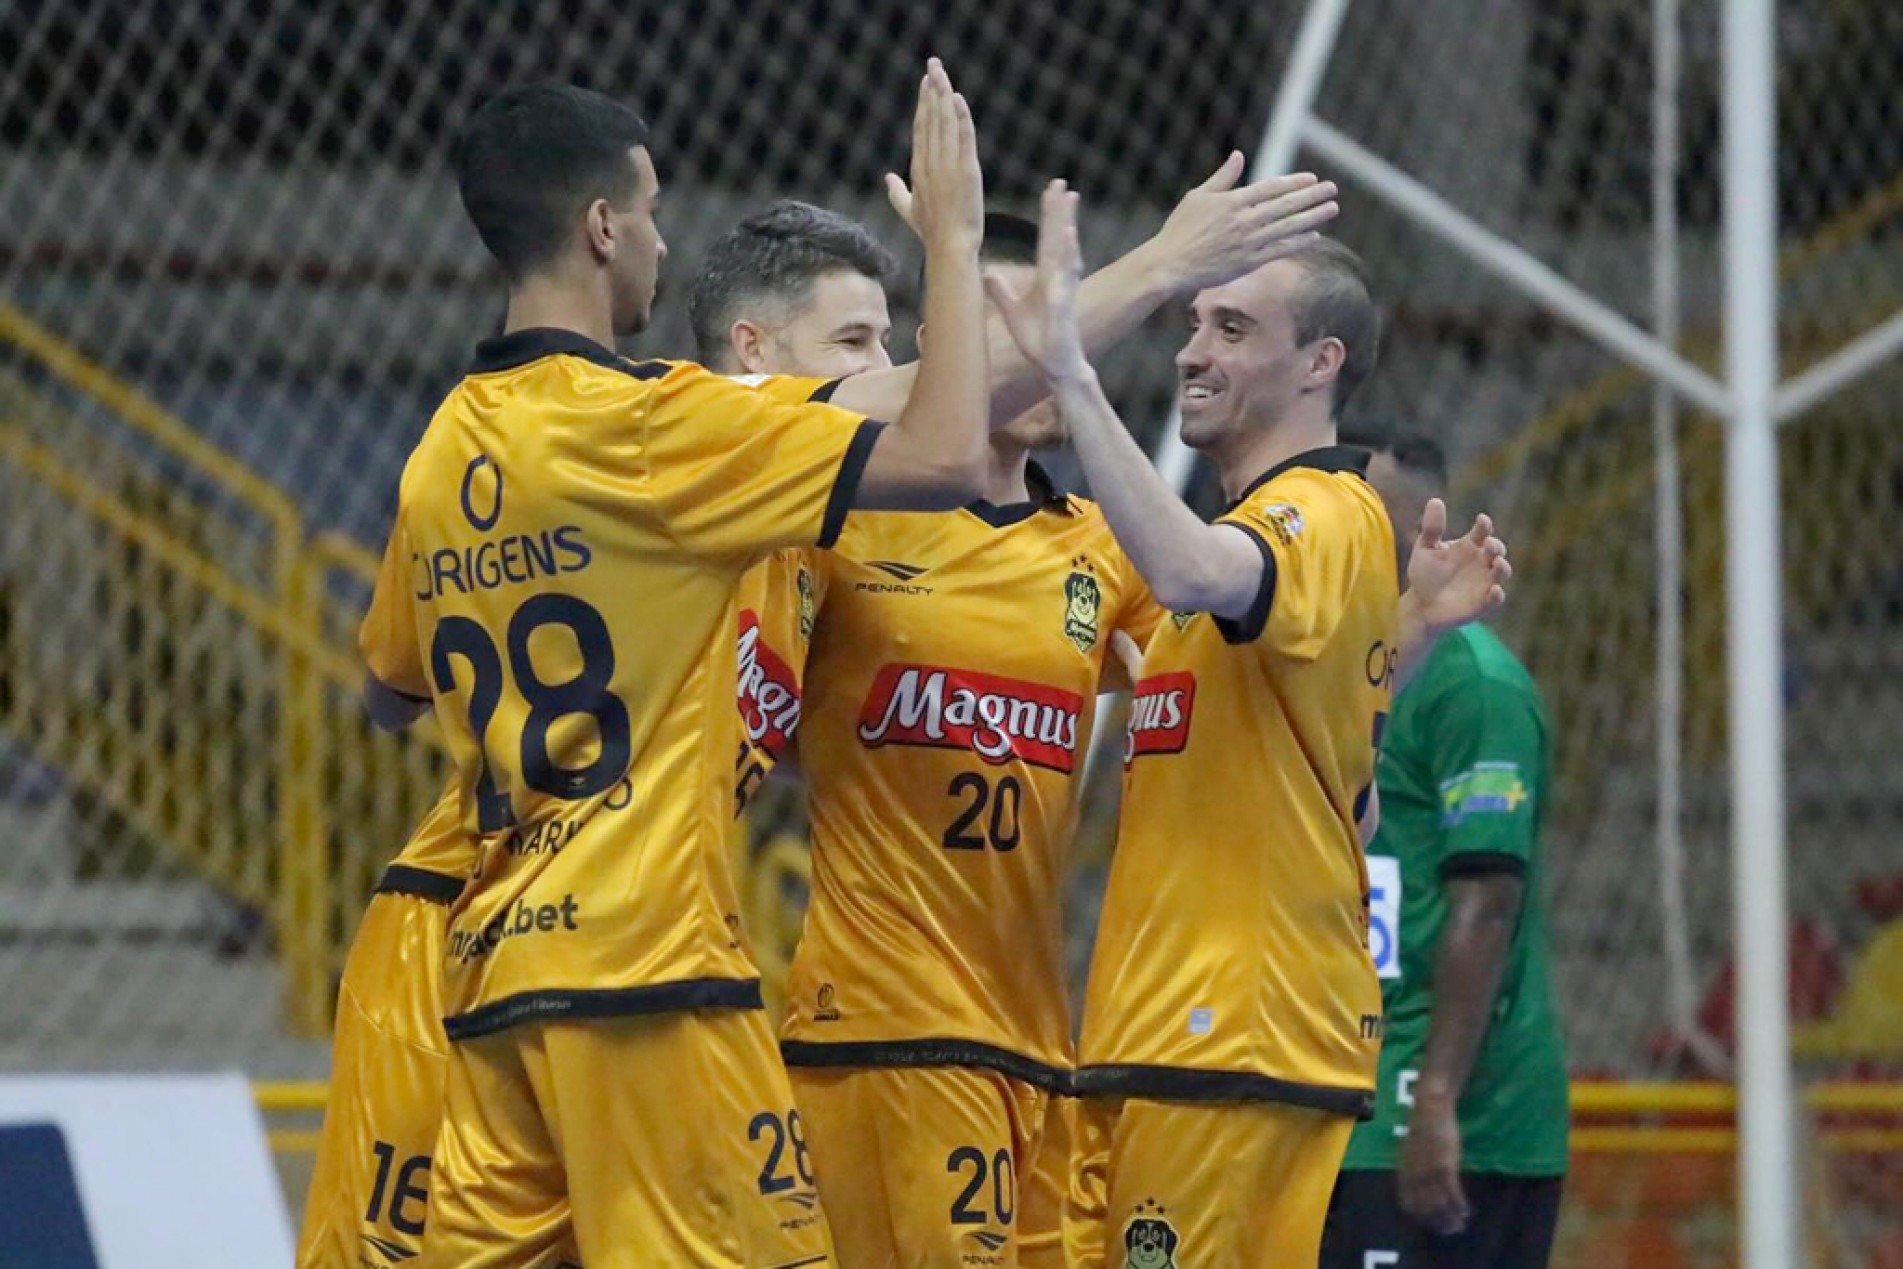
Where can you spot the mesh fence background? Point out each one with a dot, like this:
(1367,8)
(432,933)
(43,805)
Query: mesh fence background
(234,280)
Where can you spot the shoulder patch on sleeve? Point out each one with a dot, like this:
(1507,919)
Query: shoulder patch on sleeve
(1286,519)
(1486,788)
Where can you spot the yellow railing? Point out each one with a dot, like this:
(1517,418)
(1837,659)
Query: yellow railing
(1591,1099)
(320,807)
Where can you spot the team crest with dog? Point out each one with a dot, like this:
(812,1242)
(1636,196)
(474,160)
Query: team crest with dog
(1149,1240)
(1083,600)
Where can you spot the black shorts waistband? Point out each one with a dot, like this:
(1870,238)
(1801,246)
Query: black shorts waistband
(1182,1084)
(438,887)
(933,1052)
(562,1003)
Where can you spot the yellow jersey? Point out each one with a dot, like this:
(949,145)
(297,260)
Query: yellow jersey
(1232,955)
(950,691)
(440,853)
(776,624)
(570,534)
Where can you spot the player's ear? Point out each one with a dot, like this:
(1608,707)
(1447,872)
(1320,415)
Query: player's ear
(748,343)
(598,227)
(1326,357)
(919,338)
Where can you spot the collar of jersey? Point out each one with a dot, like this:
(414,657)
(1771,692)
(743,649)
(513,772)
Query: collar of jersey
(520,347)
(1327,458)
(1044,493)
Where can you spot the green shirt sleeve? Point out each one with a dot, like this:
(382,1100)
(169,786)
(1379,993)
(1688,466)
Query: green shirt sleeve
(1488,746)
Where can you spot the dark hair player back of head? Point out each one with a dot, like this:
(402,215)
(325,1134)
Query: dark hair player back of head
(559,185)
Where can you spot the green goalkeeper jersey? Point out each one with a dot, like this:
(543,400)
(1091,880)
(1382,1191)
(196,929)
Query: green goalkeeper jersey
(1464,782)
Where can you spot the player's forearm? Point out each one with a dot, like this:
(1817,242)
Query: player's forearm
(1468,966)
(944,420)
(1111,303)
(1190,566)
(1416,639)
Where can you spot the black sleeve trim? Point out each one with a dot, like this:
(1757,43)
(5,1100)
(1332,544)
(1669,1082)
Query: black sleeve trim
(411,697)
(846,484)
(564,1003)
(1181,1084)
(824,392)
(437,887)
(926,1053)
(1481,863)
(1252,623)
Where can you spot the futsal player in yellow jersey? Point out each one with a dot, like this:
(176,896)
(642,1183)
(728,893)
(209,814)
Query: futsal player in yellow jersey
(560,582)
(1233,1016)
(950,691)
(370,1184)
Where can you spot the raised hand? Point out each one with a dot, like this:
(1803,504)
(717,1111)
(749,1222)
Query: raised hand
(1043,320)
(1453,583)
(947,193)
(1220,231)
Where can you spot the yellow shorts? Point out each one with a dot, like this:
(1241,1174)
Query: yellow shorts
(919,1166)
(624,1143)
(1041,1213)
(1241,1185)
(370,1187)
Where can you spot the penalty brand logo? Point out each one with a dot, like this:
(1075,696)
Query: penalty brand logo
(996,718)
(1159,715)
(769,693)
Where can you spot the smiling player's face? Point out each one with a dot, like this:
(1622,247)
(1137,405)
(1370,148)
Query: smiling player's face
(841,330)
(1241,368)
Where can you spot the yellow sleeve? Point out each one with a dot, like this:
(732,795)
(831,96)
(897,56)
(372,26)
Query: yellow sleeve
(387,637)
(1313,535)
(1140,614)
(733,470)
(789,389)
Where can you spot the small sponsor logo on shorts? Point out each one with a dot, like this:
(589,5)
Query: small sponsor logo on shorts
(1201,1021)
(392,1253)
(1373,1026)
(803,1213)
(989,1249)
(1149,1240)
(824,1010)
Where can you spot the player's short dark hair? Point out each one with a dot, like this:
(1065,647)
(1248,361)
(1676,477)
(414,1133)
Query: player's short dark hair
(1337,299)
(532,159)
(1413,451)
(1008,239)
(777,254)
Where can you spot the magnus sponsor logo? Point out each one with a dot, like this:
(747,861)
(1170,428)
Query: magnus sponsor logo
(769,692)
(996,718)
(1159,715)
